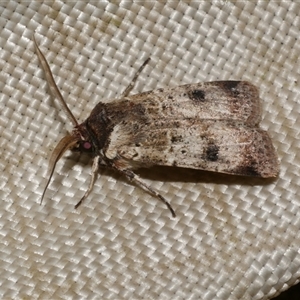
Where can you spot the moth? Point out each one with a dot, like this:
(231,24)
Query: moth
(212,126)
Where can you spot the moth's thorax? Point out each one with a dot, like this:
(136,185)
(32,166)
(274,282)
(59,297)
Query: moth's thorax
(93,132)
(106,117)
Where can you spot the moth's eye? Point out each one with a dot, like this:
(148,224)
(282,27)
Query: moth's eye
(87,145)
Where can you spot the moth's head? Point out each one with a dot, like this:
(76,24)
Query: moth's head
(83,138)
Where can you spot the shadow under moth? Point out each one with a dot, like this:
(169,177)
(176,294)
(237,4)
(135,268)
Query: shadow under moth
(212,126)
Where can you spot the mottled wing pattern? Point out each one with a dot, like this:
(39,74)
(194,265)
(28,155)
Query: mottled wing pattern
(219,146)
(218,100)
(209,126)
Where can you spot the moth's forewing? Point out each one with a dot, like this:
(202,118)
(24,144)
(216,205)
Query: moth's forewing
(219,146)
(209,126)
(217,100)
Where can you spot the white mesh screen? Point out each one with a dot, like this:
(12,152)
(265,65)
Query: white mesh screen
(233,238)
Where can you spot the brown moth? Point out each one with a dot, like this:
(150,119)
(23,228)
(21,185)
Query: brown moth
(212,126)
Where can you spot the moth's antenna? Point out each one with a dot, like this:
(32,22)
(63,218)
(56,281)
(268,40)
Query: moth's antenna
(53,87)
(66,143)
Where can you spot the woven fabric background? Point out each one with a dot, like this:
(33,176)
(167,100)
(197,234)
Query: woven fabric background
(233,238)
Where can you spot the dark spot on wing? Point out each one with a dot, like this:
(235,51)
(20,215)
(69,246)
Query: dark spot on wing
(247,171)
(176,139)
(230,84)
(197,95)
(211,153)
(231,87)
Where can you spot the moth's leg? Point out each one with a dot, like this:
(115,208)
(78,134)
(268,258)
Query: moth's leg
(95,169)
(131,85)
(133,177)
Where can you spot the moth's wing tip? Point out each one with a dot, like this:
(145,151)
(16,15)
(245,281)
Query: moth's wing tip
(272,172)
(266,159)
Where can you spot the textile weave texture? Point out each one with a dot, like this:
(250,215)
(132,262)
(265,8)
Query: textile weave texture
(233,237)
